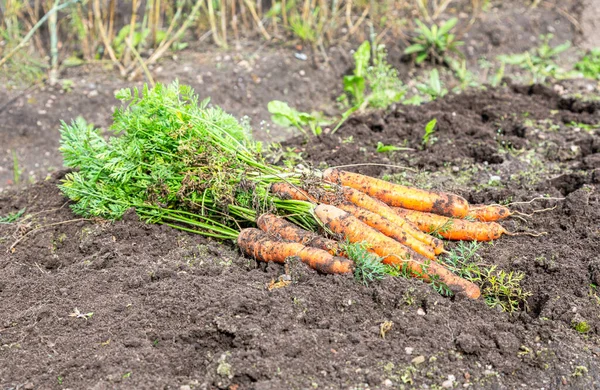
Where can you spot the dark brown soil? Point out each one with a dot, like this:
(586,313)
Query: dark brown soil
(172,309)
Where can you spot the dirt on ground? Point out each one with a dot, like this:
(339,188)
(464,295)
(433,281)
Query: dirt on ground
(172,309)
(97,304)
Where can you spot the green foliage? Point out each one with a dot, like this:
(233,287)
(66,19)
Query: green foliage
(581,326)
(16,169)
(428,138)
(177,161)
(355,84)
(434,43)
(433,88)
(380,79)
(499,288)
(539,62)
(589,64)
(12,217)
(283,115)
(383,148)
(368,267)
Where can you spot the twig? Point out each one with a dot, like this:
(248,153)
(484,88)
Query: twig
(377,165)
(141,62)
(34,29)
(105,41)
(14,244)
(257,20)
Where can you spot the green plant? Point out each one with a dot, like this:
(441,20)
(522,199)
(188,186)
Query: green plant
(12,217)
(368,267)
(589,64)
(283,115)
(383,148)
(581,326)
(539,62)
(380,79)
(434,43)
(433,88)
(428,138)
(16,170)
(499,288)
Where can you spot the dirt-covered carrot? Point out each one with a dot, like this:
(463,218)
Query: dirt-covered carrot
(259,245)
(279,227)
(388,228)
(441,203)
(347,194)
(488,213)
(453,229)
(391,250)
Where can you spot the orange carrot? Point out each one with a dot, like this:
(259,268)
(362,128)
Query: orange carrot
(278,226)
(488,213)
(389,228)
(400,196)
(360,199)
(259,245)
(391,250)
(453,229)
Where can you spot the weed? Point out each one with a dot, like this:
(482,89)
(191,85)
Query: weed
(60,380)
(589,64)
(581,326)
(127,375)
(499,288)
(383,148)
(16,170)
(433,88)
(579,371)
(539,62)
(584,126)
(380,79)
(12,217)
(286,116)
(77,314)
(434,43)
(428,138)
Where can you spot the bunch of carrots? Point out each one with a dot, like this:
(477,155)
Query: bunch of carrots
(396,223)
(178,161)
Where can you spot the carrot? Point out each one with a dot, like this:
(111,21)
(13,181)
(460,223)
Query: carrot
(360,199)
(453,229)
(376,206)
(400,196)
(388,228)
(392,251)
(259,245)
(488,213)
(278,226)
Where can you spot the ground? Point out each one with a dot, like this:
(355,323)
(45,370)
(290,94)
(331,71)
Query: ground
(96,304)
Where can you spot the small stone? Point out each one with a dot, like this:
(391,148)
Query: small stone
(93,93)
(409,350)
(388,383)
(448,384)
(495,178)
(418,360)
(185,387)
(451,378)
(301,56)
(42,112)
(420,311)
(302,73)
(28,386)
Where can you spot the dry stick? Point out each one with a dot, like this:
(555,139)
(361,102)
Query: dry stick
(284,13)
(52,31)
(224,21)
(111,20)
(14,244)
(213,23)
(105,41)
(349,14)
(34,29)
(257,20)
(440,9)
(141,62)
(244,17)
(162,49)
(357,25)
(33,19)
(375,164)
(134,8)
(234,21)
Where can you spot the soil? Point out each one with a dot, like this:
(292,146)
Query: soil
(174,310)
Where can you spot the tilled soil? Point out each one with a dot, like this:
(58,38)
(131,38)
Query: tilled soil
(172,310)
